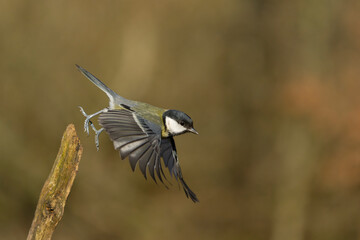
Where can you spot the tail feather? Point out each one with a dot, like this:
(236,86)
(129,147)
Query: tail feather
(110,93)
(188,192)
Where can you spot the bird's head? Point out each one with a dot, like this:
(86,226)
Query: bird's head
(177,122)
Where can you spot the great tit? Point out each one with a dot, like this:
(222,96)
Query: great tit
(142,132)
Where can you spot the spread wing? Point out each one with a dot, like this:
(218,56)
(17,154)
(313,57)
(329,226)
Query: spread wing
(136,138)
(140,140)
(169,155)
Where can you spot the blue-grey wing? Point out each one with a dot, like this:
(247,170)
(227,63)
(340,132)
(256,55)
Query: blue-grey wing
(136,138)
(170,158)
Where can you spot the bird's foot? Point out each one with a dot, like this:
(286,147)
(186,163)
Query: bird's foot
(89,122)
(97,133)
(88,117)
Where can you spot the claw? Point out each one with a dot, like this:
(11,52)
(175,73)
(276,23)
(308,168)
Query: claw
(89,122)
(97,133)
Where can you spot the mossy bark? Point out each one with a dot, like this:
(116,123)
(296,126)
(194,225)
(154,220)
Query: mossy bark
(51,204)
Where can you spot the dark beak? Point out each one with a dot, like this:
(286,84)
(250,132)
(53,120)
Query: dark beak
(193,130)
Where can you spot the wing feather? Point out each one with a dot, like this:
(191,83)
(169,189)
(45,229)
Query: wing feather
(140,153)
(151,167)
(131,147)
(143,161)
(134,138)
(122,141)
(169,155)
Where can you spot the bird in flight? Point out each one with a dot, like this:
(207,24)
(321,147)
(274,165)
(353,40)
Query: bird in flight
(142,132)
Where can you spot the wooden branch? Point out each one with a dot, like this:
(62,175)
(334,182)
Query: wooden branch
(50,207)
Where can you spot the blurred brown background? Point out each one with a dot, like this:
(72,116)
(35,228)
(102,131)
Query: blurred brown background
(272,86)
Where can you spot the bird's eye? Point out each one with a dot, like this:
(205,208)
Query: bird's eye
(182,123)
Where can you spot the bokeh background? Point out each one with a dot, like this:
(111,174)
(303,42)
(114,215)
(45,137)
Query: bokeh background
(272,86)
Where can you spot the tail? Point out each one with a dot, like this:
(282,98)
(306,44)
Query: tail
(110,93)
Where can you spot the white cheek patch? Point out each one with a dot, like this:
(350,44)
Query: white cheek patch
(173,126)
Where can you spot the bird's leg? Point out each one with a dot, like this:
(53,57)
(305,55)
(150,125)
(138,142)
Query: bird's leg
(88,121)
(97,133)
(88,117)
